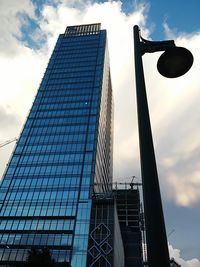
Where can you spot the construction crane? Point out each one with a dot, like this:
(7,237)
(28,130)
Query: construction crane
(131,183)
(7,142)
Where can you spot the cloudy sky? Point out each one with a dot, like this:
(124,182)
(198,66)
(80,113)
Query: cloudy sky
(29,30)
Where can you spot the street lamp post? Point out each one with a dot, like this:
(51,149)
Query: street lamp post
(174,62)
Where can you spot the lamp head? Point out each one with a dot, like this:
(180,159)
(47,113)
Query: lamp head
(175,62)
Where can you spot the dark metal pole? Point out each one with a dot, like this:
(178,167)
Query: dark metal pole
(157,247)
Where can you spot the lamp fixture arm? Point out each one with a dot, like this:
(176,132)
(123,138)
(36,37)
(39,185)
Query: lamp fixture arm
(155,46)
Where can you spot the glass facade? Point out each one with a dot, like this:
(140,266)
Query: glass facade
(64,153)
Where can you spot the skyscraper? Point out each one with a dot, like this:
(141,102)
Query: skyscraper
(63,156)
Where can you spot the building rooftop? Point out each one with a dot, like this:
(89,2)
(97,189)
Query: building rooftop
(83,29)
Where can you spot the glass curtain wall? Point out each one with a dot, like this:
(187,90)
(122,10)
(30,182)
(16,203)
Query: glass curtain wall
(46,190)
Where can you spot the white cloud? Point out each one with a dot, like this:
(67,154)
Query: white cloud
(175,119)
(176,254)
(53,20)
(11,16)
(21,70)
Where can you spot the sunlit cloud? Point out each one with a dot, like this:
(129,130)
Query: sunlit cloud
(175,120)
